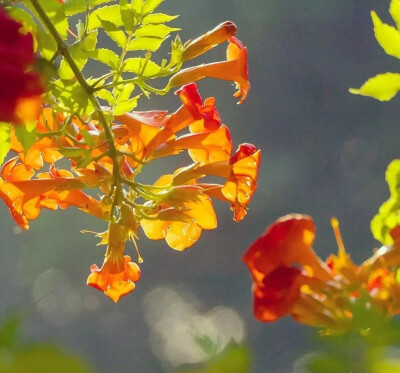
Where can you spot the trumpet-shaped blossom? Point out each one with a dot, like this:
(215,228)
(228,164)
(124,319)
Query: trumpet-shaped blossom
(181,217)
(234,69)
(289,278)
(117,277)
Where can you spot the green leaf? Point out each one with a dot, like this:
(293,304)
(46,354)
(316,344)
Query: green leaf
(150,5)
(26,134)
(93,3)
(110,13)
(106,56)
(80,53)
(127,15)
(395,11)
(39,358)
(387,36)
(125,106)
(72,7)
(124,93)
(114,32)
(157,18)
(148,43)
(5,140)
(123,102)
(106,95)
(233,359)
(388,216)
(136,65)
(137,6)
(158,31)
(72,97)
(383,87)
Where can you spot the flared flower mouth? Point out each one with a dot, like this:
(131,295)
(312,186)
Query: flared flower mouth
(116,278)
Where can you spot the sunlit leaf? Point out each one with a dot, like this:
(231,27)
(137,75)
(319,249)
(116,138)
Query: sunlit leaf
(114,32)
(125,106)
(110,13)
(127,15)
(145,43)
(141,66)
(5,129)
(383,87)
(387,36)
(395,11)
(80,53)
(157,18)
(150,5)
(106,95)
(106,56)
(158,31)
(26,134)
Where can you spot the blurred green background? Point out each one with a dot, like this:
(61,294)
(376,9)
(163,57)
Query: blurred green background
(325,152)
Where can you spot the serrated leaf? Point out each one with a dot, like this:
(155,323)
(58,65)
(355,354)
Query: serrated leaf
(141,66)
(127,15)
(106,56)
(137,6)
(106,95)
(150,5)
(26,134)
(158,31)
(111,13)
(388,216)
(125,106)
(145,43)
(72,97)
(72,7)
(99,2)
(383,87)
(124,93)
(157,18)
(80,53)
(5,140)
(395,11)
(114,32)
(387,36)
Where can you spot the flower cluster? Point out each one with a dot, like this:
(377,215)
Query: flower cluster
(20,89)
(289,278)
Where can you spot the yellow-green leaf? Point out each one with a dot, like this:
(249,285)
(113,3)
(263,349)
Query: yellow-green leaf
(156,18)
(125,106)
(395,11)
(150,5)
(114,32)
(141,66)
(159,31)
(106,56)
(26,134)
(387,36)
(5,129)
(383,87)
(110,13)
(145,43)
(105,95)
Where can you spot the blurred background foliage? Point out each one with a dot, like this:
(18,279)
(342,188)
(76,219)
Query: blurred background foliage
(325,152)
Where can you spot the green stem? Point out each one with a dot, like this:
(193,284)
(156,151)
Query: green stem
(64,50)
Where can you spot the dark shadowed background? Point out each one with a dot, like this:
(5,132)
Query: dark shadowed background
(325,152)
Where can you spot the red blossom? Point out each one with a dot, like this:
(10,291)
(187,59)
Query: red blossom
(20,89)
